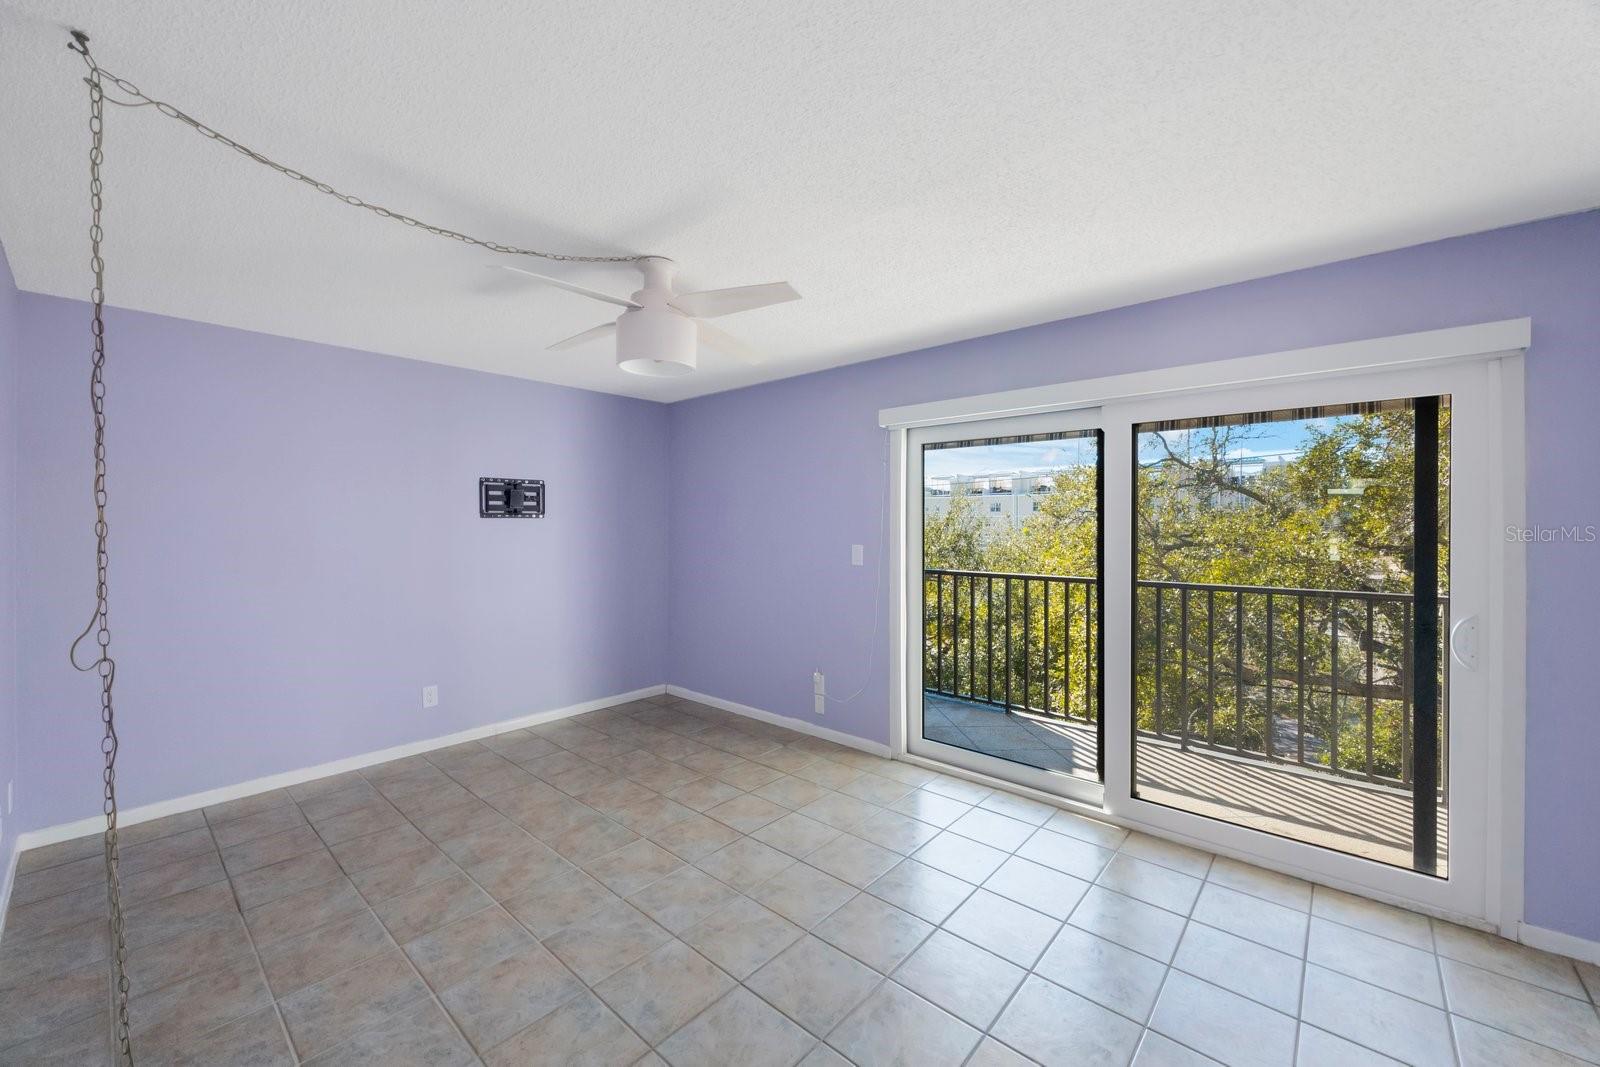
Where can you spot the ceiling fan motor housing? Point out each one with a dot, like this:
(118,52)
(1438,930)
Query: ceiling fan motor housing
(656,341)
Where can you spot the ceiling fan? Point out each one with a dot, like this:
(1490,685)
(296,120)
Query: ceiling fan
(660,331)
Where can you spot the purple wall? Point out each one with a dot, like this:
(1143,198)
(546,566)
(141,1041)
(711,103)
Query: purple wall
(297,551)
(772,484)
(9,726)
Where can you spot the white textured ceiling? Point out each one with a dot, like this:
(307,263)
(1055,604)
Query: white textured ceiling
(922,172)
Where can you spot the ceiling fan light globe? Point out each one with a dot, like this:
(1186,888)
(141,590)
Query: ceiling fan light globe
(656,342)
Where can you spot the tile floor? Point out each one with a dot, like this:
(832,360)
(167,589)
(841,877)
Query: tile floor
(663,881)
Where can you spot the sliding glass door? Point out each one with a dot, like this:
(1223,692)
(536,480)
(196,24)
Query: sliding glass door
(1246,616)
(1006,531)
(1291,593)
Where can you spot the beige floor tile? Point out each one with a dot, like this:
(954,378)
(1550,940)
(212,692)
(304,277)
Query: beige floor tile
(611,797)
(1484,1046)
(166,1019)
(646,817)
(1396,1026)
(1264,975)
(504,877)
(660,993)
(840,811)
(745,864)
(1318,1048)
(372,850)
(923,891)
(1376,960)
(1093,831)
(813,983)
(1130,923)
(703,793)
(403,874)
(552,906)
(682,898)
(1107,973)
(1252,917)
(1533,1012)
(993,829)
(208,907)
(1151,883)
(929,806)
(741,936)
(489,843)
(264,851)
(1041,888)
(966,859)
(632,867)
(257,1040)
(591,839)
(900,833)
(1211,1020)
(850,859)
(1067,854)
(796,835)
(34,1009)
(747,813)
(1372,916)
(695,837)
(896,1026)
(1003,926)
(260,824)
(1268,885)
(740,1030)
(1025,809)
(298,962)
(266,884)
(583,1031)
(606,940)
(961,978)
(803,895)
(1157,1050)
(826,773)
(492,1004)
(164,962)
(790,792)
(875,789)
(455,950)
(369,818)
(874,932)
(418,1036)
(1182,858)
(426,908)
(1496,954)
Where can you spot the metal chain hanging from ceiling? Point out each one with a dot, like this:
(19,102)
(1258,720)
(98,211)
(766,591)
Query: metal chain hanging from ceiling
(139,99)
(99,623)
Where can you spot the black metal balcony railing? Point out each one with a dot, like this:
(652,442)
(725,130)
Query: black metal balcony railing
(1320,679)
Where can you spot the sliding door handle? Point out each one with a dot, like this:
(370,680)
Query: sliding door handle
(1464,642)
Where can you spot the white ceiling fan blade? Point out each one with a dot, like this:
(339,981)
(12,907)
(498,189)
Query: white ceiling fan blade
(593,294)
(603,330)
(710,303)
(728,344)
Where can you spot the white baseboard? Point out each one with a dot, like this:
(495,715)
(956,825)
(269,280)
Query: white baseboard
(11,882)
(160,809)
(798,725)
(1579,948)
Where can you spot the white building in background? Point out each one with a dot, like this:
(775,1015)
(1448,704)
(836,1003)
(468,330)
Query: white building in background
(1005,499)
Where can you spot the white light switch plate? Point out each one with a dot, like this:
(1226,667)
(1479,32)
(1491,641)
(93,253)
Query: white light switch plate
(857,555)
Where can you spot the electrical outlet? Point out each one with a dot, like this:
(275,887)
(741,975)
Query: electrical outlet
(819,692)
(430,696)
(858,555)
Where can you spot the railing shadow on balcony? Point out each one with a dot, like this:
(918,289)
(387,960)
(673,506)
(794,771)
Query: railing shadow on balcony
(1315,680)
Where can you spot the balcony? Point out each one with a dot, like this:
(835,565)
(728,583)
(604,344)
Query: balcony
(1287,710)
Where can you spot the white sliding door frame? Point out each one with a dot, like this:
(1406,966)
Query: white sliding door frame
(1480,367)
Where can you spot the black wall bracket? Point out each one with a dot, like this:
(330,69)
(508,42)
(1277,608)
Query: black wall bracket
(510,498)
